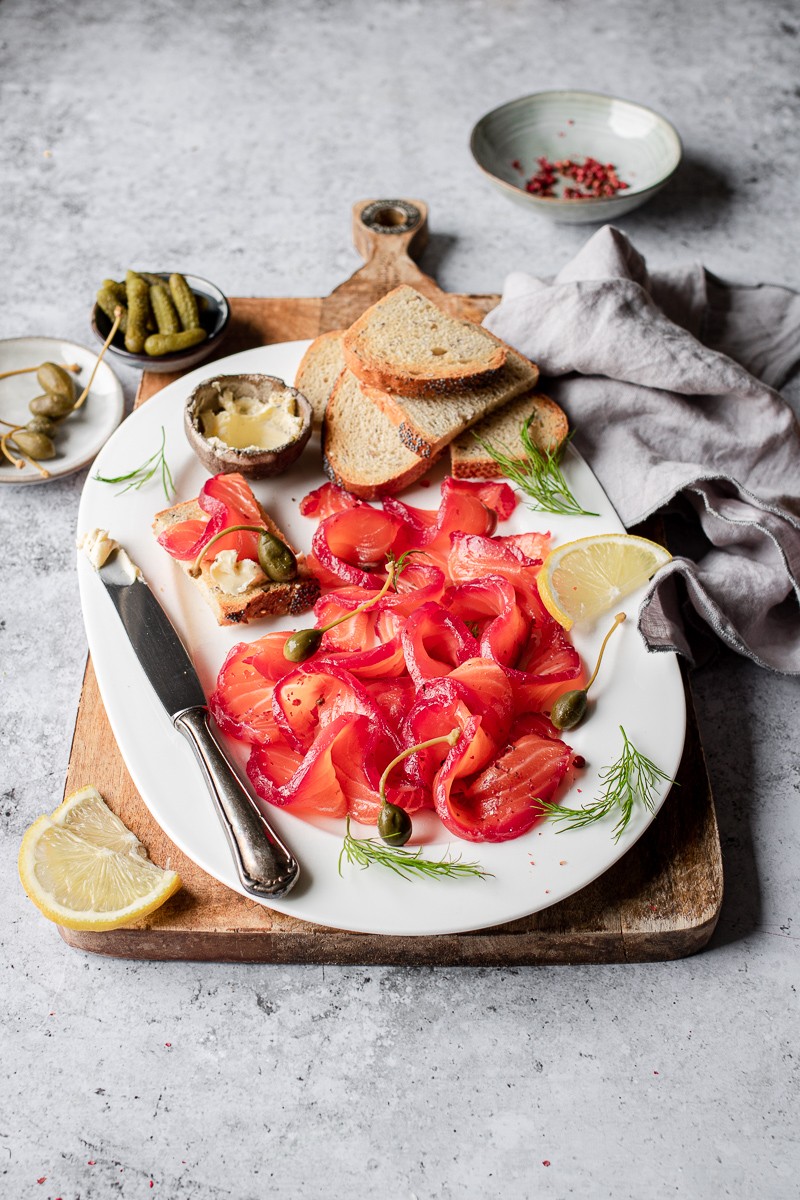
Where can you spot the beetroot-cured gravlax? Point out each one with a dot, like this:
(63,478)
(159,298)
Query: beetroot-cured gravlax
(233,550)
(459,648)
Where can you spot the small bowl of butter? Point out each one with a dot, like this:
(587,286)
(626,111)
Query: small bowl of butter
(254,424)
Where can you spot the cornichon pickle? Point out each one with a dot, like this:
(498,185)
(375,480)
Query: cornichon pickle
(117,289)
(138,293)
(108,302)
(56,381)
(167,343)
(163,309)
(48,405)
(184,301)
(35,445)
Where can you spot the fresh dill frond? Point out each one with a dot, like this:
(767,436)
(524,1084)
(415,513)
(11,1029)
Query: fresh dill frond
(630,779)
(143,474)
(538,474)
(363,852)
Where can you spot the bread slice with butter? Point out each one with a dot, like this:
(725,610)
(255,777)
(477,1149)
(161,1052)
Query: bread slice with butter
(238,596)
(548,427)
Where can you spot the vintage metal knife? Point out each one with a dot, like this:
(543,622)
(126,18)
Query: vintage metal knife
(266,867)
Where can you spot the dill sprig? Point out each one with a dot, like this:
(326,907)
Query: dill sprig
(363,852)
(143,474)
(633,777)
(539,474)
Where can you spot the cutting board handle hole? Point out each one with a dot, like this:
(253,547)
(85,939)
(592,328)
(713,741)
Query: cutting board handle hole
(391,216)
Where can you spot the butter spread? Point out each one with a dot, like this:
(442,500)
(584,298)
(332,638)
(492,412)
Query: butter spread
(98,546)
(235,576)
(251,423)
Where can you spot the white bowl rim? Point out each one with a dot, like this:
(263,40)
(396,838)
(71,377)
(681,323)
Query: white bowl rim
(595,202)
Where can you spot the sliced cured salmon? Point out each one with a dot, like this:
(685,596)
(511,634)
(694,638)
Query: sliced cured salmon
(228,500)
(461,641)
(501,802)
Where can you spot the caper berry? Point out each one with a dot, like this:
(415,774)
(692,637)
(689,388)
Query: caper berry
(57,382)
(569,709)
(35,445)
(394,824)
(41,425)
(50,405)
(276,559)
(302,644)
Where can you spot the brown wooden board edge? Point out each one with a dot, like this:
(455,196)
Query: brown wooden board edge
(565,936)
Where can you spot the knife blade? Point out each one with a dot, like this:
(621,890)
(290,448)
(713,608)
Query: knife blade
(265,866)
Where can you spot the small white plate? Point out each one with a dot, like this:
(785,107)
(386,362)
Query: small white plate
(640,691)
(82,434)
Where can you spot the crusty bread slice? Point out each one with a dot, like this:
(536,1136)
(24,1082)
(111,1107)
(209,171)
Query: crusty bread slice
(360,446)
(260,599)
(405,344)
(548,428)
(319,369)
(426,424)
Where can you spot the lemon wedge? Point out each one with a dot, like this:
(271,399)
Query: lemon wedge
(582,579)
(84,869)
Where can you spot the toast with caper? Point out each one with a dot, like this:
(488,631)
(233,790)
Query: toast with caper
(259,596)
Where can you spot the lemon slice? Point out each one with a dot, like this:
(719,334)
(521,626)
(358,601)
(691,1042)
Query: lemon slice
(84,869)
(582,579)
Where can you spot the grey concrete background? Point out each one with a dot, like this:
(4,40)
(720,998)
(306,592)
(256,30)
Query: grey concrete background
(232,140)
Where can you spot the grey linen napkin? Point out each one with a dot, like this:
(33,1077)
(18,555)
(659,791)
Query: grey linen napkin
(668,379)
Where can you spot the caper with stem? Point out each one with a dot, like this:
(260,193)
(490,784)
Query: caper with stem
(274,557)
(35,445)
(41,425)
(570,708)
(56,404)
(56,381)
(52,406)
(7,440)
(394,823)
(301,644)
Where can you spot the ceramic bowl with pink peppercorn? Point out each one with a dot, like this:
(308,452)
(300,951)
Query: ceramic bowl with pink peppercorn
(576,157)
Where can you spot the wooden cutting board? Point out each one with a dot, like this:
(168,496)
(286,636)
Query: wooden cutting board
(661,901)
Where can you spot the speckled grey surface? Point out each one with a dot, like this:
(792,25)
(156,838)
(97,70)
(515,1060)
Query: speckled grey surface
(232,140)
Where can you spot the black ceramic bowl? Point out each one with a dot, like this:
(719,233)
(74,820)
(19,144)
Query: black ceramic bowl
(214,312)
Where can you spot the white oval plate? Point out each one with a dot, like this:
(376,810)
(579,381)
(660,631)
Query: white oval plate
(81,435)
(640,691)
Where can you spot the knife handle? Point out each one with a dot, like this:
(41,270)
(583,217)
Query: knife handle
(265,866)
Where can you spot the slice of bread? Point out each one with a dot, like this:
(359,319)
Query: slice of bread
(360,447)
(405,344)
(260,599)
(319,369)
(426,424)
(548,428)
